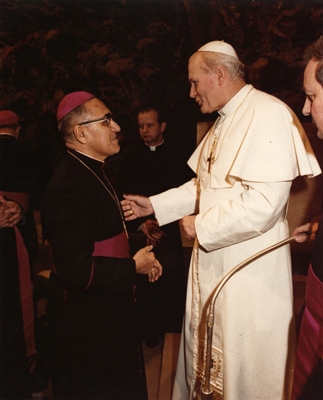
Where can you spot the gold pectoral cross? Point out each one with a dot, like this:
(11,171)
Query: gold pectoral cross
(211,159)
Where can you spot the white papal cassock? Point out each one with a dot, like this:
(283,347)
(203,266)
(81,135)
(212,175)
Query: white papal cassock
(241,209)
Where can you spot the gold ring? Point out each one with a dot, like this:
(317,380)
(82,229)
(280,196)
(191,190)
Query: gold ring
(130,212)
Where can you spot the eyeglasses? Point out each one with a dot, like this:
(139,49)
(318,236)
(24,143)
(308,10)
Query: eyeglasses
(107,118)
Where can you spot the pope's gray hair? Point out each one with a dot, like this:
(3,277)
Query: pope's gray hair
(211,60)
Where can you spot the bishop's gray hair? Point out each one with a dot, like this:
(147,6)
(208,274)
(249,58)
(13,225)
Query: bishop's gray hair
(66,124)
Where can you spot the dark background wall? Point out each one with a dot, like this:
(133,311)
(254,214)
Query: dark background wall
(128,50)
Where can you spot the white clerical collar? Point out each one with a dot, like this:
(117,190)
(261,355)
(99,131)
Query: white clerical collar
(235,101)
(93,158)
(153,148)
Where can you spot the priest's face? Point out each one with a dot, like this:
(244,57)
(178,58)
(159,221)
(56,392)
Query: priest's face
(100,138)
(314,97)
(205,87)
(150,130)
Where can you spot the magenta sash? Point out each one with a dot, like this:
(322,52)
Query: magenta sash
(26,299)
(310,341)
(25,285)
(116,246)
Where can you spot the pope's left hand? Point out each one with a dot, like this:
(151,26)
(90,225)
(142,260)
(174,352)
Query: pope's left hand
(187,225)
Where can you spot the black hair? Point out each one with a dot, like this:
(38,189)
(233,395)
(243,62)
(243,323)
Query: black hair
(315,52)
(153,106)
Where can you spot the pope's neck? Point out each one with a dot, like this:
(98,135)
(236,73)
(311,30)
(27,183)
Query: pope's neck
(231,89)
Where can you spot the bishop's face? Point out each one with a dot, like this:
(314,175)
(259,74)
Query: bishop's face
(101,135)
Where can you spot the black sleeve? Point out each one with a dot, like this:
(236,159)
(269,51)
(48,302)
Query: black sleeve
(74,220)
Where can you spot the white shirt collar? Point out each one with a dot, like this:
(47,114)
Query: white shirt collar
(153,148)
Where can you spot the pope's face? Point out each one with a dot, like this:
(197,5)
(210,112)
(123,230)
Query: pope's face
(205,87)
(314,97)
(101,136)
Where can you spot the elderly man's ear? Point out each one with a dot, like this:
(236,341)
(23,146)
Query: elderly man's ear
(79,134)
(221,74)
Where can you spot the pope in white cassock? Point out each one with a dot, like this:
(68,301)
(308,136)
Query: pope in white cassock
(235,208)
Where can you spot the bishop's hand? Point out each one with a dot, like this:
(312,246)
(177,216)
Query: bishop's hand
(147,263)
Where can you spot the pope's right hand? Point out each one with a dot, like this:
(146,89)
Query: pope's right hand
(134,206)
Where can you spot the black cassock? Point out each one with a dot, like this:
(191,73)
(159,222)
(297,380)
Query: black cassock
(146,172)
(14,372)
(92,312)
(17,353)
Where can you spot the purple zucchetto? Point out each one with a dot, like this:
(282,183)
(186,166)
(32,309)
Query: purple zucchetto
(219,46)
(71,101)
(8,117)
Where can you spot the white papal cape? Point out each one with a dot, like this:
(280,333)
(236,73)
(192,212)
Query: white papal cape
(241,209)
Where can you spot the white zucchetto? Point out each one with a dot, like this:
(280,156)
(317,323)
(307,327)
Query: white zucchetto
(219,46)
